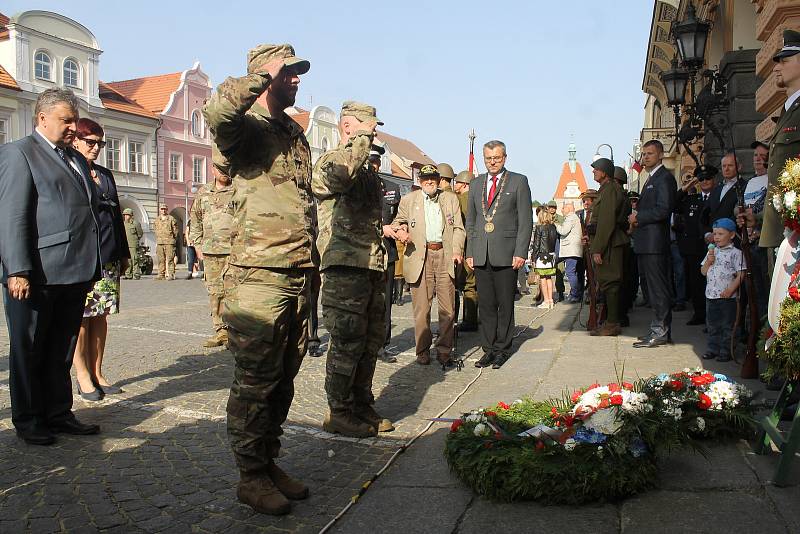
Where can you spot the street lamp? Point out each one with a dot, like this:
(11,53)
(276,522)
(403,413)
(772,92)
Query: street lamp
(675,80)
(690,37)
(597,152)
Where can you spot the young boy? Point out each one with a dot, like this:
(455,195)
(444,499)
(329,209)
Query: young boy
(723,268)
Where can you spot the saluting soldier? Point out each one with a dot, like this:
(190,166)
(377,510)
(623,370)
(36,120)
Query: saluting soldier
(133,233)
(166,229)
(353,263)
(270,267)
(211,230)
(607,241)
(465,278)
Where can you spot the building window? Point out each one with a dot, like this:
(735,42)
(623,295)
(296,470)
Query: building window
(42,64)
(113,154)
(136,157)
(199,170)
(197,124)
(324,144)
(175,168)
(71,73)
(4,131)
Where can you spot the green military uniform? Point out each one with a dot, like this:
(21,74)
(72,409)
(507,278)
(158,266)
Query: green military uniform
(269,269)
(609,240)
(211,231)
(352,262)
(465,277)
(166,230)
(133,233)
(784,145)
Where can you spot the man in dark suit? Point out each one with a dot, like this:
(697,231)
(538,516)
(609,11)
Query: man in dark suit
(651,242)
(50,254)
(499,226)
(724,197)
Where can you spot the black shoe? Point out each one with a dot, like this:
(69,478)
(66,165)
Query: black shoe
(36,436)
(644,337)
(467,327)
(109,390)
(721,358)
(695,321)
(73,426)
(95,395)
(314,350)
(499,360)
(486,360)
(651,343)
(709,356)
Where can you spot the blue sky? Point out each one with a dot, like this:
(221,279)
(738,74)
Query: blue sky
(529,73)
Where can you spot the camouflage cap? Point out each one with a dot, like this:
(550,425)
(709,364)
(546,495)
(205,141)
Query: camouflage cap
(127,211)
(359,110)
(590,193)
(162,207)
(446,171)
(261,54)
(464,177)
(428,171)
(620,175)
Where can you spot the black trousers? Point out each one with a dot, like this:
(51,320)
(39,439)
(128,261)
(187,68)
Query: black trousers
(313,312)
(389,299)
(656,270)
(695,284)
(42,332)
(496,286)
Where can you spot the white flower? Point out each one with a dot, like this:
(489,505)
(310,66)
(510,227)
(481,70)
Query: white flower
(475,418)
(481,430)
(604,421)
(789,198)
(570,444)
(600,451)
(635,402)
(701,424)
(795,170)
(777,202)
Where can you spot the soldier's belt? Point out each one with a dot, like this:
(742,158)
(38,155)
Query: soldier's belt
(434,246)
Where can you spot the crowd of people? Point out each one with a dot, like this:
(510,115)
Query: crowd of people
(278,235)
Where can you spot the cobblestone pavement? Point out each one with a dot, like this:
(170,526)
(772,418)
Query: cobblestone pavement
(162,462)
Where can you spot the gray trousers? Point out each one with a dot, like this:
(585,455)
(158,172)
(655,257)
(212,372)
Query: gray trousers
(655,269)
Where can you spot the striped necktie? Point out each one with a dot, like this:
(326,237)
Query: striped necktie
(75,173)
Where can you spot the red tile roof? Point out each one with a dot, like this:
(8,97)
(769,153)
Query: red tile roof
(405,149)
(115,100)
(568,176)
(398,171)
(7,81)
(152,92)
(3,30)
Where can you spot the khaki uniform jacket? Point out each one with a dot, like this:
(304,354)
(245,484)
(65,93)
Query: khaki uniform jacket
(166,230)
(608,214)
(211,218)
(411,216)
(350,207)
(784,145)
(270,165)
(133,233)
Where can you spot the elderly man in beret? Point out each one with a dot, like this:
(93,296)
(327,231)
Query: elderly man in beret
(270,266)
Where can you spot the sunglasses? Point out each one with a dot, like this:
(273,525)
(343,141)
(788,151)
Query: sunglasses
(92,142)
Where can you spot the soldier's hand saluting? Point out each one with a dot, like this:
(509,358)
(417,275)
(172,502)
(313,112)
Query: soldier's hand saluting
(272,67)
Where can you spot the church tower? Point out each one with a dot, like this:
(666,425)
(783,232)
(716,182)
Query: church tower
(571,183)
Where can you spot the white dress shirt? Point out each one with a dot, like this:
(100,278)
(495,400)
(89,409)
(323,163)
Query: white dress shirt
(791,99)
(489,182)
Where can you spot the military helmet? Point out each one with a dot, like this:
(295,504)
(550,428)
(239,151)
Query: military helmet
(552,204)
(464,177)
(590,193)
(604,165)
(620,175)
(446,171)
(127,211)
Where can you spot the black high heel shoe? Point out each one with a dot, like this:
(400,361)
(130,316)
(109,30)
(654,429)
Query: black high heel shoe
(94,396)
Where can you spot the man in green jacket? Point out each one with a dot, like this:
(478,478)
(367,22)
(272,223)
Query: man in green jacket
(133,233)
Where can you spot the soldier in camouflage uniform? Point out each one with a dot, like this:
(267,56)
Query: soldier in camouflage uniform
(211,230)
(352,262)
(166,230)
(269,269)
(133,233)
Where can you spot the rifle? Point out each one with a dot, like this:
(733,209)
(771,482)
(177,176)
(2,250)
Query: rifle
(750,364)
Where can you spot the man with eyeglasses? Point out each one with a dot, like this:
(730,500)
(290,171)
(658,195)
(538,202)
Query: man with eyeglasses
(499,227)
(166,229)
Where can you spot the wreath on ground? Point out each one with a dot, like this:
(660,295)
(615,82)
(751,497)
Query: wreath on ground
(601,443)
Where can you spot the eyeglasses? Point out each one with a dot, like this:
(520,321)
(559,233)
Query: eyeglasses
(494,158)
(92,142)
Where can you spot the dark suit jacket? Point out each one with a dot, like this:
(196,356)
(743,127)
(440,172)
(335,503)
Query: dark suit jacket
(656,203)
(48,223)
(717,208)
(513,222)
(391,200)
(113,241)
(688,225)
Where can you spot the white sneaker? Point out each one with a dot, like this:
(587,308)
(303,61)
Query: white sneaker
(544,306)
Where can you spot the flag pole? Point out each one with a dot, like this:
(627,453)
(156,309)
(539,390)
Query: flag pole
(472,151)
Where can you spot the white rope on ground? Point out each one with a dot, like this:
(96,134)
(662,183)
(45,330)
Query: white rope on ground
(34,481)
(364,487)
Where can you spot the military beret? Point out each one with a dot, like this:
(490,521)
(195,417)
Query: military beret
(604,165)
(791,45)
(359,110)
(725,223)
(552,204)
(446,171)
(464,177)
(590,193)
(127,211)
(705,172)
(620,175)
(428,171)
(261,54)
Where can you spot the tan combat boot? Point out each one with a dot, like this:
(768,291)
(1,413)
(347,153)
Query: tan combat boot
(258,491)
(374,419)
(290,487)
(346,424)
(608,329)
(217,340)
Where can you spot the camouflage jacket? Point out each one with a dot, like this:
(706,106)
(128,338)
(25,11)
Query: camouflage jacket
(350,207)
(270,165)
(211,218)
(133,231)
(166,230)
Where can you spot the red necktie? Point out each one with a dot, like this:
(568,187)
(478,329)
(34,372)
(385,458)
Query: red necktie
(493,189)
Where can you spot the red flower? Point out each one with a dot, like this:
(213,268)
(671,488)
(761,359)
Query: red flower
(487,445)
(498,435)
(489,413)
(677,385)
(603,404)
(595,385)
(627,385)
(576,395)
(705,402)
(539,445)
(616,400)
(503,405)
(456,425)
(614,387)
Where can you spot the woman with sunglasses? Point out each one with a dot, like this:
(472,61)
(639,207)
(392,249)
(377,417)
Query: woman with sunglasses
(103,299)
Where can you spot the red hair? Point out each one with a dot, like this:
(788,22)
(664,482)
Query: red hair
(89,127)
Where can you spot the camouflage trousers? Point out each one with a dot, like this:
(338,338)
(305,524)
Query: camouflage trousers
(134,269)
(353,311)
(213,265)
(166,260)
(266,311)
